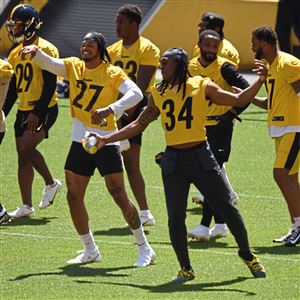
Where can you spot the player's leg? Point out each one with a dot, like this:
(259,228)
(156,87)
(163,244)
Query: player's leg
(285,172)
(132,165)
(109,164)
(176,187)
(78,170)
(208,180)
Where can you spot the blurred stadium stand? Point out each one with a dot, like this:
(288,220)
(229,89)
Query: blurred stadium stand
(65,22)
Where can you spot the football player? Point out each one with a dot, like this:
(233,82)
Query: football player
(216,22)
(283,106)
(94,88)
(139,58)
(219,121)
(37,110)
(182,104)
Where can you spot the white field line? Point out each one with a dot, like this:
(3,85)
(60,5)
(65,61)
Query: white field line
(28,235)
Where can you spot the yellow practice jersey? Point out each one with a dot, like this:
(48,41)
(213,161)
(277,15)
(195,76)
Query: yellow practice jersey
(213,71)
(91,89)
(183,120)
(142,52)
(29,76)
(283,102)
(6,69)
(226,50)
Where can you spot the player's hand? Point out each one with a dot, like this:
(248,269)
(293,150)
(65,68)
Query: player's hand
(28,52)
(100,141)
(98,116)
(261,69)
(32,122)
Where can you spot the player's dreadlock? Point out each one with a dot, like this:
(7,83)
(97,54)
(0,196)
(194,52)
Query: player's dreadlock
(101,42)
(181,73)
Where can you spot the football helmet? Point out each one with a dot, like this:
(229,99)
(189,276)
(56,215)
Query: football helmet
(23,23)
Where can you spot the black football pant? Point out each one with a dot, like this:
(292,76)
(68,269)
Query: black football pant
(219,140)
(196,165)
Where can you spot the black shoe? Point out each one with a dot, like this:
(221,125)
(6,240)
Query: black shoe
(294,238)
(4,217)
(184,275)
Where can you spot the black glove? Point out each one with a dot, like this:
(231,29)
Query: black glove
(225,121)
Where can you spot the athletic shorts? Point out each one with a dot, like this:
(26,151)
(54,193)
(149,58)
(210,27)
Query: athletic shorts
(138,138)
(287,152)
(46,121)
(220,143)
(107,160)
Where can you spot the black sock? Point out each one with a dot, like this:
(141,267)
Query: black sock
(247,255)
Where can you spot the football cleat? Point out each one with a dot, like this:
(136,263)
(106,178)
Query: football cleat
(200,233)
(49,194)
(184,275)
(23,211)
(198,199)
(218,231)
(284,238)
(85,257)
(146,256)
(146,218)
(4,217)
(294,238)
(255,266)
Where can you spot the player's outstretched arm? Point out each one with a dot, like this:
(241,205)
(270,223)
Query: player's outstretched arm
(44,61)
(150,114)
(221,97)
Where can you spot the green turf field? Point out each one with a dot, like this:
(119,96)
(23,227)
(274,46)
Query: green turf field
(34,251)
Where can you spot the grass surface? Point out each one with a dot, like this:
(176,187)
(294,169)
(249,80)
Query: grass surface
(34,251)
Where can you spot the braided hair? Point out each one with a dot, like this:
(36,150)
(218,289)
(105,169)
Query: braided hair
(181,72)
(101,42)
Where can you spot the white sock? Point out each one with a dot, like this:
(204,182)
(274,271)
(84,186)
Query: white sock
(140,236)
(88,242)
(296,222)
(145,212)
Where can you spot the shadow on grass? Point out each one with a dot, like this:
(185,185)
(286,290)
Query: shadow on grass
(28,221)
(197,210)
(277,249)
(78,271)
(170,287)
(116,232)
(213,243)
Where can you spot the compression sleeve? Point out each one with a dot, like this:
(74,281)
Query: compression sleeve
(132,95)
(50,64)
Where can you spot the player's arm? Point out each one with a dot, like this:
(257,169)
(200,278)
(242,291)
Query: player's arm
(221,97)
(11,96)
(44,61)
(149,114)
(132,95)
(260,102)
